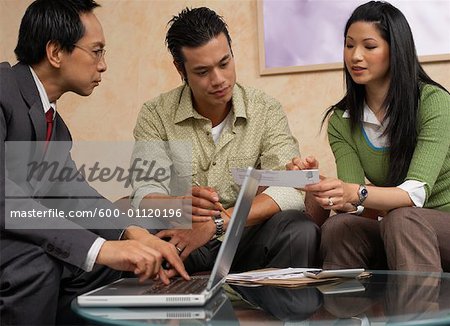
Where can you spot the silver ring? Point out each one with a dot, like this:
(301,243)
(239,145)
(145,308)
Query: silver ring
(178,249)
(330,201)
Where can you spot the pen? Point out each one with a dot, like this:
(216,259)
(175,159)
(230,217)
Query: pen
(222,209)
(218,204)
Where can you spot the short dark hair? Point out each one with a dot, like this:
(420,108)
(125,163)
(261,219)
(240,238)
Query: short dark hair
(50,21)
(193,28)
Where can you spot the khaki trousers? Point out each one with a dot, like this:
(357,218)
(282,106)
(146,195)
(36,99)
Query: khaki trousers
(409,238)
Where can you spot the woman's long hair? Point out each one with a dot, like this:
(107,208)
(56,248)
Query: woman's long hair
(402,100)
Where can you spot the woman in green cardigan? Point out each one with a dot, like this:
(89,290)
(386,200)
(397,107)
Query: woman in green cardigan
(390,136)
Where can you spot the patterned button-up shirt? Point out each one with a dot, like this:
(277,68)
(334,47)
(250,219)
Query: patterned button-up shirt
(257,136)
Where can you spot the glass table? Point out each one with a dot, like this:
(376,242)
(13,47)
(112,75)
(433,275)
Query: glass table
(384,298)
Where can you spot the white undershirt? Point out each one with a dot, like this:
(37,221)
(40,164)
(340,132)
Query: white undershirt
(373,131)
(92,254)
(217,130)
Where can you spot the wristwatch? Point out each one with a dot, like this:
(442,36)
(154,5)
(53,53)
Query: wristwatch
(218,221)
(362,195)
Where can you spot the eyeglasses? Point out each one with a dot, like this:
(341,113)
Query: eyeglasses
(97,54)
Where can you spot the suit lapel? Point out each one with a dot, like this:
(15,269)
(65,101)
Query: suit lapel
(38,120)
(60,132)
(30,94)
(57,152)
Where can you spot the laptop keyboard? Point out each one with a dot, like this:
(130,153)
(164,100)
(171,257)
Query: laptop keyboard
(179,286)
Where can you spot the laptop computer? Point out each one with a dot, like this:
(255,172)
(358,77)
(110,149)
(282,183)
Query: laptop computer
(130,292)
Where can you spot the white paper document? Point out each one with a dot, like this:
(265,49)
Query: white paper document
(280,274)
(295,179)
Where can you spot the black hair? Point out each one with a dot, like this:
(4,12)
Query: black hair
(193,28)
(402,99)
(50,21)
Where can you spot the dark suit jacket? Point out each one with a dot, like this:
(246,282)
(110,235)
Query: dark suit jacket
(22,119)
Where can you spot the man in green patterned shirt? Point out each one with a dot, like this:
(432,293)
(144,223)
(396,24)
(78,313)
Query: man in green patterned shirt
(229,126)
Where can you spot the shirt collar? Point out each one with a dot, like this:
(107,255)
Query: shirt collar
(239,106)
(186,109)
(368,116)
(43,94)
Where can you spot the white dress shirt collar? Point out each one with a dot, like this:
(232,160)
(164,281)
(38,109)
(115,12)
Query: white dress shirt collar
(43,94)
(368,117)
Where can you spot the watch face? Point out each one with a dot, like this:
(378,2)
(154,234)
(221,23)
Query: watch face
(362,193)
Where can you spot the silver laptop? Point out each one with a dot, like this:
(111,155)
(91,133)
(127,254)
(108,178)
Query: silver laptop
(219,305)
(129,292)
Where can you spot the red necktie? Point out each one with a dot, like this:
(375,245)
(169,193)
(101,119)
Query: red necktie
(49,118)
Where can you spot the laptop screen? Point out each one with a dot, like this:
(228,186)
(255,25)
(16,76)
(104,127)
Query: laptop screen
(235,228)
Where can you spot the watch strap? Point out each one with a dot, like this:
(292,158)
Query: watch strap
(218,221)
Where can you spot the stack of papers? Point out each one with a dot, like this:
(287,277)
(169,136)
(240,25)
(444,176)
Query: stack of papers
(285,277)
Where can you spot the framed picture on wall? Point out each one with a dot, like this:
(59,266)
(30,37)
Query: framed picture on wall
(308,35)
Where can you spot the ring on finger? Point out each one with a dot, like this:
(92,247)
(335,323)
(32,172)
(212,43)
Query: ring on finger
(179,249)
(330,201)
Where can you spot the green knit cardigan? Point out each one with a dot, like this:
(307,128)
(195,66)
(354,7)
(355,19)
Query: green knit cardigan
(357,159)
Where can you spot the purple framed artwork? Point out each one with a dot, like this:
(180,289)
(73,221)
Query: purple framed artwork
(308,35)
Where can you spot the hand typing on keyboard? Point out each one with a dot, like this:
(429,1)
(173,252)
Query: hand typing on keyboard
(166,250)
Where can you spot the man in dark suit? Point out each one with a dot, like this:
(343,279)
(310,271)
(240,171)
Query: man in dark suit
(60,49)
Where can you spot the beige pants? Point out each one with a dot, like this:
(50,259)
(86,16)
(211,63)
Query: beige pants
(415,239)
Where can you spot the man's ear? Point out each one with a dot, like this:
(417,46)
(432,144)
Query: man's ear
(181,71)
(54,53)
